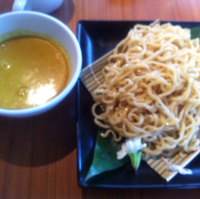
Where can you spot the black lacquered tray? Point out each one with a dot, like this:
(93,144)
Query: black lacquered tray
(97,38)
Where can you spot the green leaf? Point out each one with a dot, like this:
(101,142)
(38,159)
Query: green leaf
(195,32)
(105,156)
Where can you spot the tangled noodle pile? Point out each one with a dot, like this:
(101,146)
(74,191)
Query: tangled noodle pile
(152,90)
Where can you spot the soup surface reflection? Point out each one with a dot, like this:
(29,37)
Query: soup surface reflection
(32,71)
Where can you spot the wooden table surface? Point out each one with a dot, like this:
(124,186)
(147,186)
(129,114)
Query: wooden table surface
(38,154)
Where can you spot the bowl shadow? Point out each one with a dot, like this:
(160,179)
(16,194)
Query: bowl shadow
(42,139)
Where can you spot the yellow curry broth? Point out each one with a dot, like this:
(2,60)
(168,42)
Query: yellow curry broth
(32,71)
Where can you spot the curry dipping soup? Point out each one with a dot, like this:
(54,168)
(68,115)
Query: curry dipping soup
(33,70)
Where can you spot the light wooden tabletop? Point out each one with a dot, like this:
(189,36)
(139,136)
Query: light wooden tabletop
(38,157)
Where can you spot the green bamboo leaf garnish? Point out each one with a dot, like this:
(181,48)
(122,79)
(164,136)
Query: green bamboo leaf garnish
(105,157)
(195,32)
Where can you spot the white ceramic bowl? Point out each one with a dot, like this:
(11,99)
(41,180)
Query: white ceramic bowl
(45,24)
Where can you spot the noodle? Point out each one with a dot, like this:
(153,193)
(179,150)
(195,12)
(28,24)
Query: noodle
(152,90)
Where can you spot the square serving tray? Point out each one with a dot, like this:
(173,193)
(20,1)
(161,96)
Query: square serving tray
(96,38)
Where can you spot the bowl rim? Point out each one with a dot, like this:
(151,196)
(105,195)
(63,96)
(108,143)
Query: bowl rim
(35,110)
